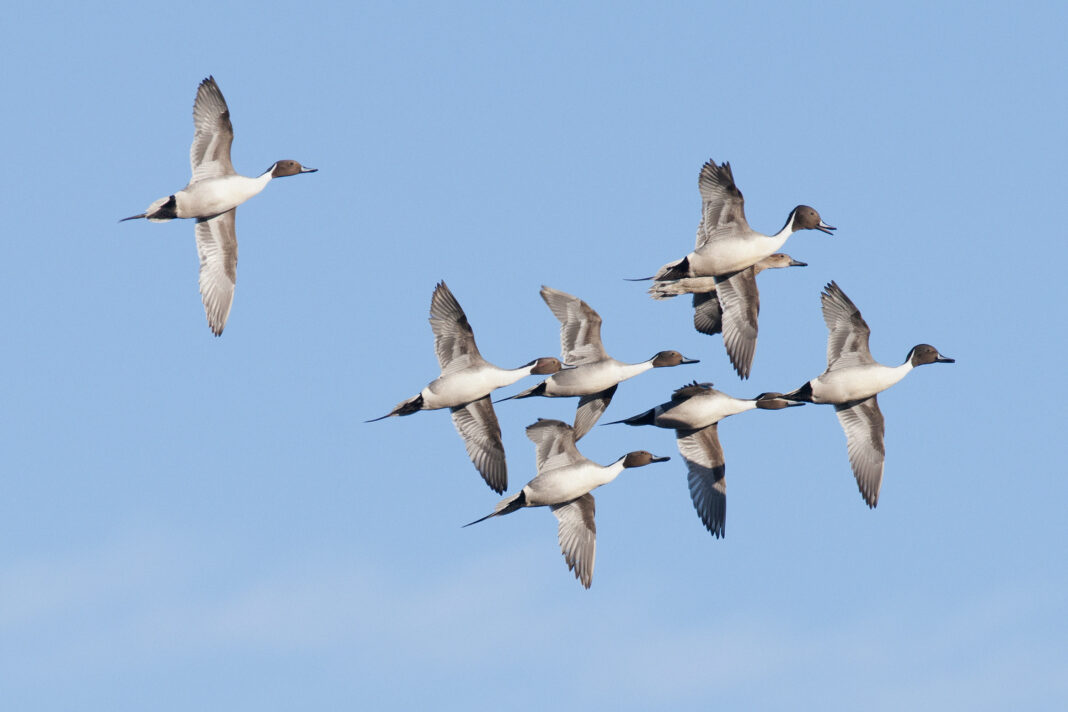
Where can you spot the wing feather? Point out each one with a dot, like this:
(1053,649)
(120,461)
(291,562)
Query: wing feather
(740,303)
(213,134)
(580,327)
(847,337)
(577,533)
(454,340)
(217,248)
(477,424)
(864,427)
(722,204)
(706,475)
(555,444)
(590,409)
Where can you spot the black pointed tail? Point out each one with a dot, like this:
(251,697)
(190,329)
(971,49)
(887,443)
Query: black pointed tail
(505,506)
(412,405)
(646,418)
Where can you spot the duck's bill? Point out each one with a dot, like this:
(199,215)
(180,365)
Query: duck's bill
(945,359)
(305,169)
(690,360)
(797,263)
(660,459)
(824,227)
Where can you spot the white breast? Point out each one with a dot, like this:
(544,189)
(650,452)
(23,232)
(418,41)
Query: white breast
(702,411)
(856,382)
(592,377)
(467,386)
(731,254)
(214,196)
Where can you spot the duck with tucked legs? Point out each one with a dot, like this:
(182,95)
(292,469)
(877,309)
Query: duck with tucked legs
(212,197)
(694,412)
(707,310)
(593,375)
(726,248)
(464,386)
(564,481)
(851,382)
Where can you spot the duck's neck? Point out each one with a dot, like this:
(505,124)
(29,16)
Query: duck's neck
(262,180)
(630,370)
(508,376)
(779,238)
(739,405)
(610,472)
(269,173)
(896,373)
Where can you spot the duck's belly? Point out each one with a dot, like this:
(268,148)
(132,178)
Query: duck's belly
(687,285)
(563,484)
(700,412)
(215,196)
(587,380)
(460,388)
(729,255)
(852,384)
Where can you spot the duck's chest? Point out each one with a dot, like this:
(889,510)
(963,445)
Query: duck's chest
(214,196)
(854,383)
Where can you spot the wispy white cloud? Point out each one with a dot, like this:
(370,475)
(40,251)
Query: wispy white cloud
(141,603)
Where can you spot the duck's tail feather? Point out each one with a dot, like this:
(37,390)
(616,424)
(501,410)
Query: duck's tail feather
(535,391)
(646,418)
(406,407)
(505,506)
(162,210)
(804,393)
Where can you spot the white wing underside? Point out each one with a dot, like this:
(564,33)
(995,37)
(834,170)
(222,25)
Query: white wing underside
(477,424)
(590,409)
(577,533)
(722,204)
(580,328)
(847,337)
(555,445)
(209,155)
(740,305)
(706,476)
(454,340)
(864,428)
(217,248)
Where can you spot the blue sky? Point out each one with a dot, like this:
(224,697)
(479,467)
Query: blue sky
(197,523)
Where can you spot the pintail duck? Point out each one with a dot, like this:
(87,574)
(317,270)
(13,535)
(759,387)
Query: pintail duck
(726,247)
(851,382)
(594,375)
(564,481)
(707,311)
(464,386)
(212,196)
(693,413)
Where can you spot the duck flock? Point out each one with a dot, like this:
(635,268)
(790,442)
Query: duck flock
(720,274)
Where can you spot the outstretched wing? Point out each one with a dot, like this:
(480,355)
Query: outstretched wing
(577,533)
(209,156)
(864,427)
(590,409)
(477,424)
(740,301)
(580,327)
(722,204)
(217,248)
(454,340)
(708,486)
(555,444)
(847,338)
